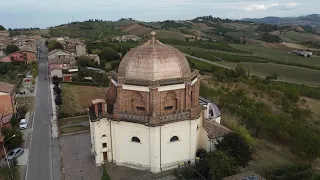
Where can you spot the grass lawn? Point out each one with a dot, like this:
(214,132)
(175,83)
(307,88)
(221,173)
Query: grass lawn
(269,156)
(76,99)
(72,120)
(74,129)
(278,55)
(291,73)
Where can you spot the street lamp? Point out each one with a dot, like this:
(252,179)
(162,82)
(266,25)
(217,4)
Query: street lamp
(5,153)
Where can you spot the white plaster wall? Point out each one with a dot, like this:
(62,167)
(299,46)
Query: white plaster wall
(213,143)
(101,128)
(3,93)
(132,153)
(203,139)
(80,50)
(155,152)
(172,153)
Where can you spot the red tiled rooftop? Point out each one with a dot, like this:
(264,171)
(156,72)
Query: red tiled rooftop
(6,87)
(214,129)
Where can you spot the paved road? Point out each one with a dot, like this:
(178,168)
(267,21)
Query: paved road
(40,159)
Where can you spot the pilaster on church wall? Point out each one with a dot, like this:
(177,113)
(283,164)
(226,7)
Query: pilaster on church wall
(155,149)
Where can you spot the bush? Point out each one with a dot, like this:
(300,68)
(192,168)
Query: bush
(6,173)
(217,165)
(235,146)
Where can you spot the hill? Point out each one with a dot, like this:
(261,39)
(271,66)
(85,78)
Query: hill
(312,20)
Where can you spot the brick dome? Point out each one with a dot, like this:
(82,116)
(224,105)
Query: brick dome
(154,61)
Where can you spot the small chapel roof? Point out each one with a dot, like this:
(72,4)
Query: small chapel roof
(214,129)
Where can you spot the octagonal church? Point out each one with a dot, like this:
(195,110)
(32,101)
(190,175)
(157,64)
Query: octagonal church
(152,117)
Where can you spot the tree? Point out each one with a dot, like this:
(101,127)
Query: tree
(300,171)
(269,37)
(2,28)
(217,165)
(109,54)
(11,48)
(105,175)
(58,100)
(13,142)
(57,89)
(306,143)
(14,121)
(235,146)
(55,80)
(54,45)
(85,61)
(240,71)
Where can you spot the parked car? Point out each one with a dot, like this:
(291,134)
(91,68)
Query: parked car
(23,124)
(14,153)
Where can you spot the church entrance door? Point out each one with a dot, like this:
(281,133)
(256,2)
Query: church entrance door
(105,156)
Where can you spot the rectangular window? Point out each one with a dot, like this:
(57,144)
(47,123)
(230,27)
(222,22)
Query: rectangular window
(104,145)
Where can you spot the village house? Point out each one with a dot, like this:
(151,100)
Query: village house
(78,49)
(22,56)
(127,38)
(152,117)
(59,63)
(62,41)
(7,102)
(28,48)
(65,74)
(58,53)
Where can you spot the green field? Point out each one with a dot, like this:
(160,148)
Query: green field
(250,35)
(289,73)
(221,55)
(163,34)
(278,55)
(301,37)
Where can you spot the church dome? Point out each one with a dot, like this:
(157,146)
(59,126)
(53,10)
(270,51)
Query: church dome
(154,61)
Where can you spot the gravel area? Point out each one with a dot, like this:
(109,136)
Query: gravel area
(78,163)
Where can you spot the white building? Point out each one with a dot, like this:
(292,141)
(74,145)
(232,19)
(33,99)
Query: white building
(152,118)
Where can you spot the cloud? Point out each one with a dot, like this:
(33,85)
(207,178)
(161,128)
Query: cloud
(273,6)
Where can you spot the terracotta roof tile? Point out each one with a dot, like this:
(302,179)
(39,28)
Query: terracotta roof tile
(6,87)
(214,129)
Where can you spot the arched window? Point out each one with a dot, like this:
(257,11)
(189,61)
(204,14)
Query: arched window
(167,108)
(174,138)
(135,139)
(104,135)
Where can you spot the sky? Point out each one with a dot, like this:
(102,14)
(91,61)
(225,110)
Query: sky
(46,13)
